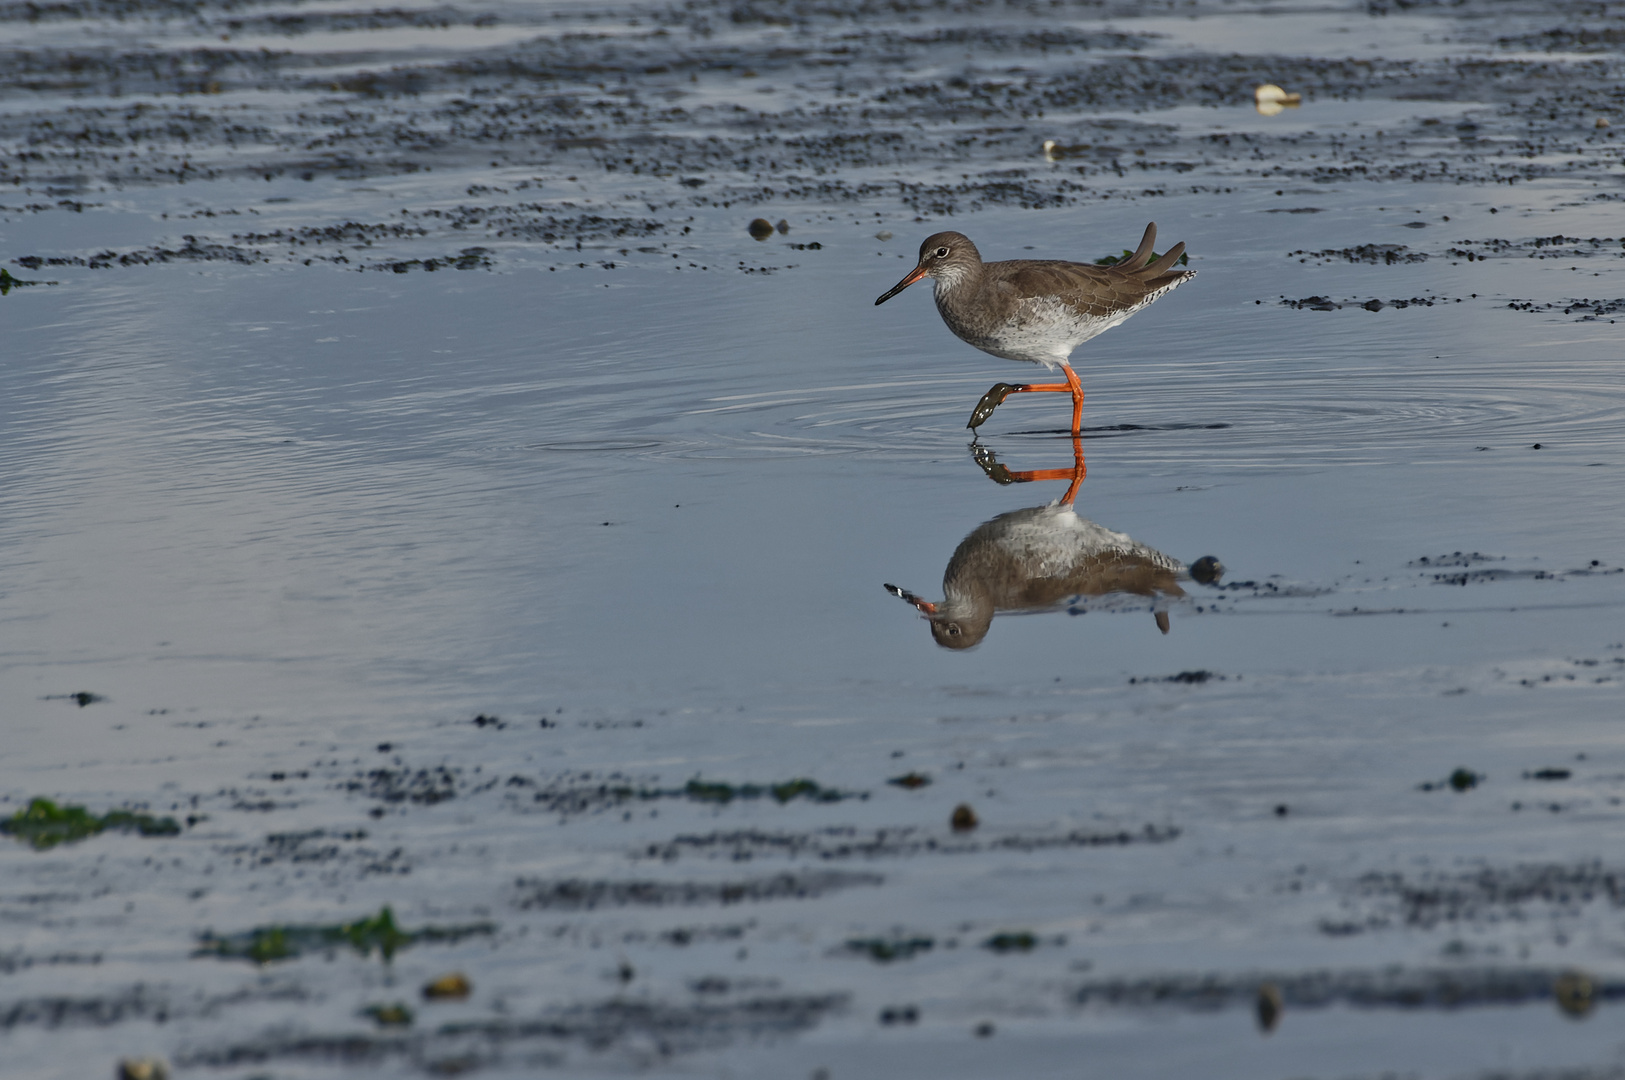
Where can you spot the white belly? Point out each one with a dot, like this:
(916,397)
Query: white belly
(1044,331)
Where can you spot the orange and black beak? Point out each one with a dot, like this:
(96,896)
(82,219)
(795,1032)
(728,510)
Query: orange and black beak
(913,275)
(925,606)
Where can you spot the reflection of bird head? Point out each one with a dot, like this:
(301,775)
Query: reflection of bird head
(953,626)
(953,632)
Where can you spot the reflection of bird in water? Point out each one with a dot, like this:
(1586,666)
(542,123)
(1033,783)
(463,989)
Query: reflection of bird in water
(1038,310)
(1041,558)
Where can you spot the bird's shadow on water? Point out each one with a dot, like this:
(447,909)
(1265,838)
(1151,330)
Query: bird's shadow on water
(1113,430)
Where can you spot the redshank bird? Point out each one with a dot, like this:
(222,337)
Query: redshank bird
(1037,310)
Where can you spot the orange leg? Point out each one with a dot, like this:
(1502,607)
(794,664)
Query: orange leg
(995,397)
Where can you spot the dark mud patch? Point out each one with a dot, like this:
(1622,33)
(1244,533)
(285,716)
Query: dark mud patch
(1464,573)
(1584,309)
(742,845)
(1477,899)
(1455,558)
(192,250)
(1370,254)
(138,1002)
(581,894)
(331,854)
(17,960)
(1594,671)
(1538,247)
(1271,589)
(646,1031)
(80,698)
(1184,678)
(422,787)
(660,114)
(1390,988)
(1326,303)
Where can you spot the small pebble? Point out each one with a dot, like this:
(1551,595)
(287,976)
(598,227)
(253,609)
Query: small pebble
(453,987)
(143,1069)
(883,234)
(760,228)
(1602,121)
(984,1030)
(783,226)
(964,819)
(1575,994)
(1270,1007)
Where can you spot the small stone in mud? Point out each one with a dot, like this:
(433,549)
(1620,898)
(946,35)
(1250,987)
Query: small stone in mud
(1269,1007)
(1574,993)
(1548,774)
(883,234)
(453,987)
(984,1030)
(783,226)
(964,819)
(1464,779)
(1281,810)
(142,1069)
(760,229)
(899,1014)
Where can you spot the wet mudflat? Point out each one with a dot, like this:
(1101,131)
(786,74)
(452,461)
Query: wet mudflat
(438,540)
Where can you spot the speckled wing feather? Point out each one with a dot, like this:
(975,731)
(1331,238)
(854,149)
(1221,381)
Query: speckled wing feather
(1096,291)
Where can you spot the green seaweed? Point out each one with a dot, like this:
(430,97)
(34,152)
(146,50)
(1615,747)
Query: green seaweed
(43,824)
(379,932)
(1011,941)
(395,1014)
(885,950)
(7,282)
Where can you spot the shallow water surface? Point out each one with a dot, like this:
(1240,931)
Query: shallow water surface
(417,484)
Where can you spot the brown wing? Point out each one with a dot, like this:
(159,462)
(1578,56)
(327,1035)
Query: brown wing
(1100,291)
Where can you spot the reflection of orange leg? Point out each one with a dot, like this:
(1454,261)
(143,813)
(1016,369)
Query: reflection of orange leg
(1076,473)
(995,397)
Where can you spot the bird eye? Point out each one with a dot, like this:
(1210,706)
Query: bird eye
(942,253)
(952,628)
